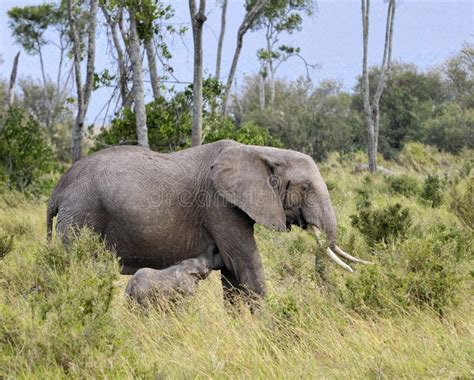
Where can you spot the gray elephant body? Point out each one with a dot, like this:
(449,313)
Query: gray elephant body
(180,280)
(159,209)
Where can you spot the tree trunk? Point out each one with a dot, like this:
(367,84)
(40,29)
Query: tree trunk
(11,86)
(112,22)
(371,153)
(221,40)
(271,69)
(272,84)
(83,92)
(152,67)
(249,18)
(138,88)
(197,20)
(261,91)
(372,110)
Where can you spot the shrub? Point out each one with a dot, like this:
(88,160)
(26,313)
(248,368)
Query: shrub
(368,292)
(404,184)
(63,318)
(169,124)
(453,130)
(382,225)
(24,151)
(429,271)
(462,204)
(432,191)
(434,273)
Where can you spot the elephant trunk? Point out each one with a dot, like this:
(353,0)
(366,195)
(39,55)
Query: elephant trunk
(333,251)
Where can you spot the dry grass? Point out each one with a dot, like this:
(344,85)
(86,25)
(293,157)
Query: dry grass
(301,330)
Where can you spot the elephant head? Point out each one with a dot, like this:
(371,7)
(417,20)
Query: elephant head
(278,188)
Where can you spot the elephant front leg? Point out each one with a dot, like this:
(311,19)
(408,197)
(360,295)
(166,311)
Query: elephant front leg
(243,272)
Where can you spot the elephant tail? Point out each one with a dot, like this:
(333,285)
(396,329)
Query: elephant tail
(51,213)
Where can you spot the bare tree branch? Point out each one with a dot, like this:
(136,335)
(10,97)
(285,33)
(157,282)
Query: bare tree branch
(221,40)
(249,18)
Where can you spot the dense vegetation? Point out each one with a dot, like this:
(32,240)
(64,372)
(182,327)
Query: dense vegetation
(63,313)
(62,310)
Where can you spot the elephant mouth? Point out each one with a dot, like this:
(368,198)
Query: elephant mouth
(297,220)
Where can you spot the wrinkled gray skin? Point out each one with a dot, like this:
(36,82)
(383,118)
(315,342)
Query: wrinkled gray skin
(180,280)
(159,209)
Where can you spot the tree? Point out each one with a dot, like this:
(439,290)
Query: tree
(277,17)
(198,18)
(371,109)
(138,88)
(113,17)
(221,40)
(459,71)
(315,120)
(410,97)
(28,25)
(253,10)
(84,91)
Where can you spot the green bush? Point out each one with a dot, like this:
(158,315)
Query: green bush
(435,267)
(64,316)
(426,271)
(404,184)
(452,130)
(24,152)
(169,124)
(384,224)
(432,191)
(462,204)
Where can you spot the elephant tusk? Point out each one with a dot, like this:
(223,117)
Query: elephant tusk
(338,261)
(330,253)
(340,252)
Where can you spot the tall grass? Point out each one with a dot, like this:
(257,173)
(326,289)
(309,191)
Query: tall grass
(63,313)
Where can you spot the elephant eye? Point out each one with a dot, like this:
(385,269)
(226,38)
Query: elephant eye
(273,180)
(305,186)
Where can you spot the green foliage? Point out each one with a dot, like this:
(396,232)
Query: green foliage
(404,184)
(24,152)
(460,73)
(423,271)
(383,224)
(462,203)
(169,124)
(64,319)
(432,191)
(432,269)
(63,312)
(312,120)
(50,108)
(29,24)
(408,99)
(452,128)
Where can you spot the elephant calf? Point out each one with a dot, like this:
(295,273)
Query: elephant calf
(179,280)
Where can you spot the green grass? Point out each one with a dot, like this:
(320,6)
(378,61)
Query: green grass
(63,312)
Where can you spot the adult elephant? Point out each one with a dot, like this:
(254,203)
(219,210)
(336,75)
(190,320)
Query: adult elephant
(158,209)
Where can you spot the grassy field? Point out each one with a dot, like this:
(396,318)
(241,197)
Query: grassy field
(63,313)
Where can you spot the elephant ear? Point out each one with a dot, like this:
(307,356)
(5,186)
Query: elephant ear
(243,175)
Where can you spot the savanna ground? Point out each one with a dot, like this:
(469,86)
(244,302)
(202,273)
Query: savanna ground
(63,312)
